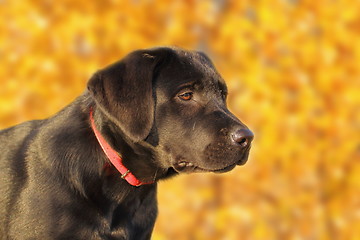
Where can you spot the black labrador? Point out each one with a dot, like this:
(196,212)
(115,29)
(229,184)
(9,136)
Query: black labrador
(90,171)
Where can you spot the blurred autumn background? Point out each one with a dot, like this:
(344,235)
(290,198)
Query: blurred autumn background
(293,72)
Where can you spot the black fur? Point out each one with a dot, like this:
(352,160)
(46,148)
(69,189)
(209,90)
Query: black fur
(55,180)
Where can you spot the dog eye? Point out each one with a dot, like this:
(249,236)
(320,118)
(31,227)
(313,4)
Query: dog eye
(186,96)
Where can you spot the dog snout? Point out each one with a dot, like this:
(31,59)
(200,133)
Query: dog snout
(242,137)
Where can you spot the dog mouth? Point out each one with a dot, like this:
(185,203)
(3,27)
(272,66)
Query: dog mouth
(189,167)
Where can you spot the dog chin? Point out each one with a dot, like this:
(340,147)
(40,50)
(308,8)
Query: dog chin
(188,167)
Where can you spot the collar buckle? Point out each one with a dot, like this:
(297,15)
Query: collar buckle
(123,176)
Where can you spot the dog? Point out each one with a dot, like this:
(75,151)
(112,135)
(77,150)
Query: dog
(91,170)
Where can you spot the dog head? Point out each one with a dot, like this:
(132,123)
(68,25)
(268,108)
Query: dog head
(175,100)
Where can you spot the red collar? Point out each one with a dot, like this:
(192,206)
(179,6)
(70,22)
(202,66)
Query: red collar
(115,157)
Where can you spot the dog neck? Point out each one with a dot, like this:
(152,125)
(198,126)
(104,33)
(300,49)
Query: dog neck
(137,166)
(115,158)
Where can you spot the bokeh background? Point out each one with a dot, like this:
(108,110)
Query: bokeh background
(293,71)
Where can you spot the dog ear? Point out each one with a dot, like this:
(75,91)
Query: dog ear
(124,93)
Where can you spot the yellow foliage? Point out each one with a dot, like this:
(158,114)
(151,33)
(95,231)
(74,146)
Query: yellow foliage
(293,70)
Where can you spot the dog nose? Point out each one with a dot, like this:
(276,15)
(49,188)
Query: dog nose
(243,137)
